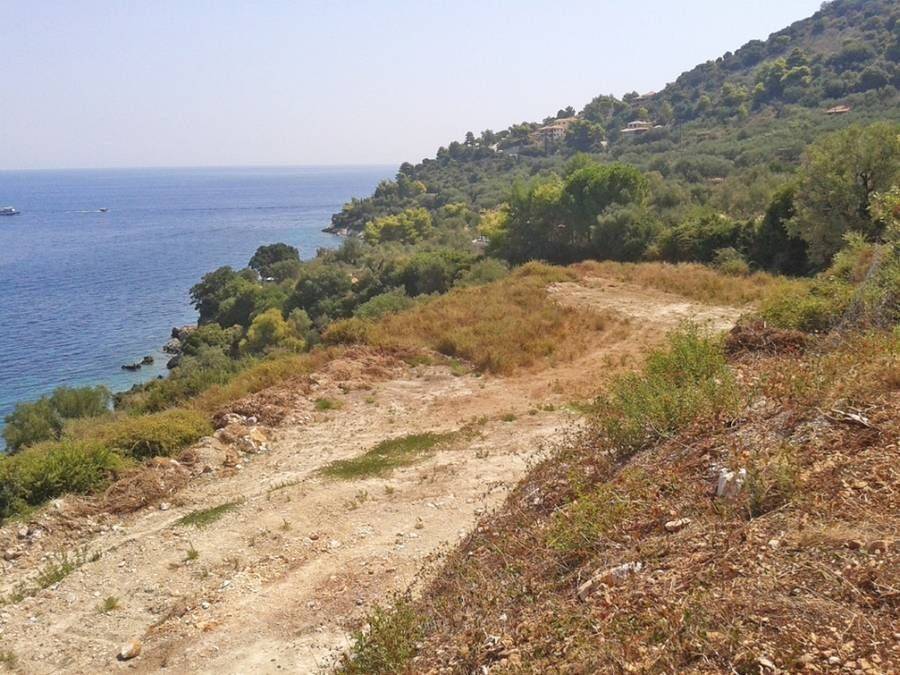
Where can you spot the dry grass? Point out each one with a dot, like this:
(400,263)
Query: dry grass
(499,328)
(692,280)
(267,373)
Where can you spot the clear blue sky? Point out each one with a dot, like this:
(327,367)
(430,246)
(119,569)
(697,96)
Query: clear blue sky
(220,82)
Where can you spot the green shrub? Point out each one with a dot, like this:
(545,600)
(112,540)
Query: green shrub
(153,435)
(389,643)
(210,366)
(48,470)
(862,286)
(483,272)
(387,455)
(347,332)
(684,381)
(812,310)
(386,303)
(44,419)
(31,423)
(205,517)
(730,261)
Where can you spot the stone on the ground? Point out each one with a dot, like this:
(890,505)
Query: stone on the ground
(129,650)
(676,525)
(730,482)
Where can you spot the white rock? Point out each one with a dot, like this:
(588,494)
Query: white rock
(618,574)
(129,650)
(730,482)
(676,525)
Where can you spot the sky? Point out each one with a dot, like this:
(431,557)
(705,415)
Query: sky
(128,83)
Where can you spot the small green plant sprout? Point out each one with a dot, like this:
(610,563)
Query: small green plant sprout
(61,566)
(8,659)
(109,604)
(205,517)
(325,404)
(191,554)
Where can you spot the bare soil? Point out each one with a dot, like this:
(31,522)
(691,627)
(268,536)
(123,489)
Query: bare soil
(278,582)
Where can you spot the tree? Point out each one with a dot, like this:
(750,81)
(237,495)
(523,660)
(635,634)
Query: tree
(268,331)
(488,138)
(322,290)
(623,232)
(267,256)
(773,247)
(208,294)
(408,226)
(592,189)
(585,136)
(839,177)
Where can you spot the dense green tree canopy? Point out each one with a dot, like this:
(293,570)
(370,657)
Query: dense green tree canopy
(841,173)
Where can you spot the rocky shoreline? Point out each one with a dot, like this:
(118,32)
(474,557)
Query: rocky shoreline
(173,347)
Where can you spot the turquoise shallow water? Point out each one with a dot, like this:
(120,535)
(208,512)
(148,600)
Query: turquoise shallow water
(82,292)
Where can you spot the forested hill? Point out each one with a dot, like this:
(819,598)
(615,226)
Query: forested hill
(724,134)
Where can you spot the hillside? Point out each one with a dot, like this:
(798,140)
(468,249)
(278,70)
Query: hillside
(259,549)
(736,124)
(627,410)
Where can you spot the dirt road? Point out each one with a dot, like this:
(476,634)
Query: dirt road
(297,559)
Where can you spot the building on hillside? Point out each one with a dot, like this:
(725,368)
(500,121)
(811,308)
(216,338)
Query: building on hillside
(555,131)
(838,110)
(637,127)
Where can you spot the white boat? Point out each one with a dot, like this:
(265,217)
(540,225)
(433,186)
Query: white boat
(8,211)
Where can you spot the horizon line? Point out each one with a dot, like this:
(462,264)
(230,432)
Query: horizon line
(159,167)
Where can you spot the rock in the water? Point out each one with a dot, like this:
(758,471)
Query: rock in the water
(147,360)
(173,346)
(182,332)
(129,650)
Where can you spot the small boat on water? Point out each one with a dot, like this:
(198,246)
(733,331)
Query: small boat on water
(103,210)
(8,211)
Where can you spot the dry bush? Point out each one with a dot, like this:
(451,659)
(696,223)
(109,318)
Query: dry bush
(157,434)
(499,327)
(147,484)
(264,374)
(758,336)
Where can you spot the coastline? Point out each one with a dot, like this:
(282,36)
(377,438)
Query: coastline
(89,292)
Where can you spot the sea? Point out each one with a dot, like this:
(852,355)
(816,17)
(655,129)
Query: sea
(83,292)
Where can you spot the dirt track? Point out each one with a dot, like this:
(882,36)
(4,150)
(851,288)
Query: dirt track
(280,579)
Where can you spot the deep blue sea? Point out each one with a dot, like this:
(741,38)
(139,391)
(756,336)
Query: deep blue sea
(82,292)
